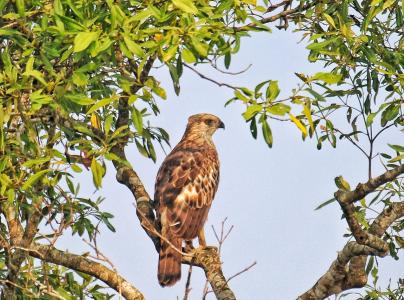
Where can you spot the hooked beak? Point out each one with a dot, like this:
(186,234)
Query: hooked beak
(221,125)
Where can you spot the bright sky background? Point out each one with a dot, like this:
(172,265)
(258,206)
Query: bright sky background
(269,195)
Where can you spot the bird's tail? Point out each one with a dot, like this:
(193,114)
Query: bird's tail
(169,268)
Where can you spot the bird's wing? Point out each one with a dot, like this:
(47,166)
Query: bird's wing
(185,187)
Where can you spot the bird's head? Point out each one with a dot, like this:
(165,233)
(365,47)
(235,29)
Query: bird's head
(205,124)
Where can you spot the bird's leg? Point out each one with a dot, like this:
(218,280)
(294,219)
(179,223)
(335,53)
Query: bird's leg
(201,238)
(188,246)
(202,241)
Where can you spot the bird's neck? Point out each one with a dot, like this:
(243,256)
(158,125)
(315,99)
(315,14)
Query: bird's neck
(198,138)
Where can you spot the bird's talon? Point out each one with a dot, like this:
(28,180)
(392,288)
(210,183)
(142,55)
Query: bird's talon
(208,248)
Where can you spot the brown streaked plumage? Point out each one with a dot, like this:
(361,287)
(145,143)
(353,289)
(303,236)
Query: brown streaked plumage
(185,187)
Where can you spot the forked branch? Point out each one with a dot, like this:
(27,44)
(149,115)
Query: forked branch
(348,270)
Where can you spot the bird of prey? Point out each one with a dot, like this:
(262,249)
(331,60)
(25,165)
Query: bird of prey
(185,187)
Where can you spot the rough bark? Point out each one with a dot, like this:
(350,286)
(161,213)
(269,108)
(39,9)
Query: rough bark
(85,265)
(348,270)
(209,260)
(363,189)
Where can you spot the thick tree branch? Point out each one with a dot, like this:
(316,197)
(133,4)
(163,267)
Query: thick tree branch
(209,260)
(338,277)
(362,236)
(16,232)
(332,281)
(85,265)
(144,204)
(348,270)
(346,200)
(371,185)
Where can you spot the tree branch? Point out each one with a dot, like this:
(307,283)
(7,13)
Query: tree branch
(85,265)
(346,200)
(338,277)
(363,189)
(209,260)
(332,281)
(220,84)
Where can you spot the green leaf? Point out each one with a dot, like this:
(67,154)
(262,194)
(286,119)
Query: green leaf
(30,64)
(151,151)
(76,168)
(37,75)
(80,99)
(252,2)
(278,109)
(329,20)
(33,162)
(342,184)
(112,156)
(400,241)
(251,111)
(325,203)
(370,118)
(170,52)
(390,113)
(398,148)
(100,104)
(227,60)
(272,90)
(80,79)
(200,47)
(186,6)
(137,120)
(10,195)
(369,266)
(20,7)
(253,128)
(318,46)
(33,179)
(329,78)
(142,150)
(133,47)
(58,7)
(98,171)
(267,133)
(259,87)
(315,94)
(188,56)
(241,96)
(83,40)
(397,158)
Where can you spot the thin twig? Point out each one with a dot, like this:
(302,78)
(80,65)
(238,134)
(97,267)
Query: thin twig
(187,285)
(214,65)
(153,230)
(210,79)
(242,271)
(102,257)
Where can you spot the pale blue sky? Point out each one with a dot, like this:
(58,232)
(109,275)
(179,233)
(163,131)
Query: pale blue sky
(269,195)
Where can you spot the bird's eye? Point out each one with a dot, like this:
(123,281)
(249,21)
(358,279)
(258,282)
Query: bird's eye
(209,122)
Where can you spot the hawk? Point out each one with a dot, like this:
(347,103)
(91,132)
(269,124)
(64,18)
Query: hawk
(185,187)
